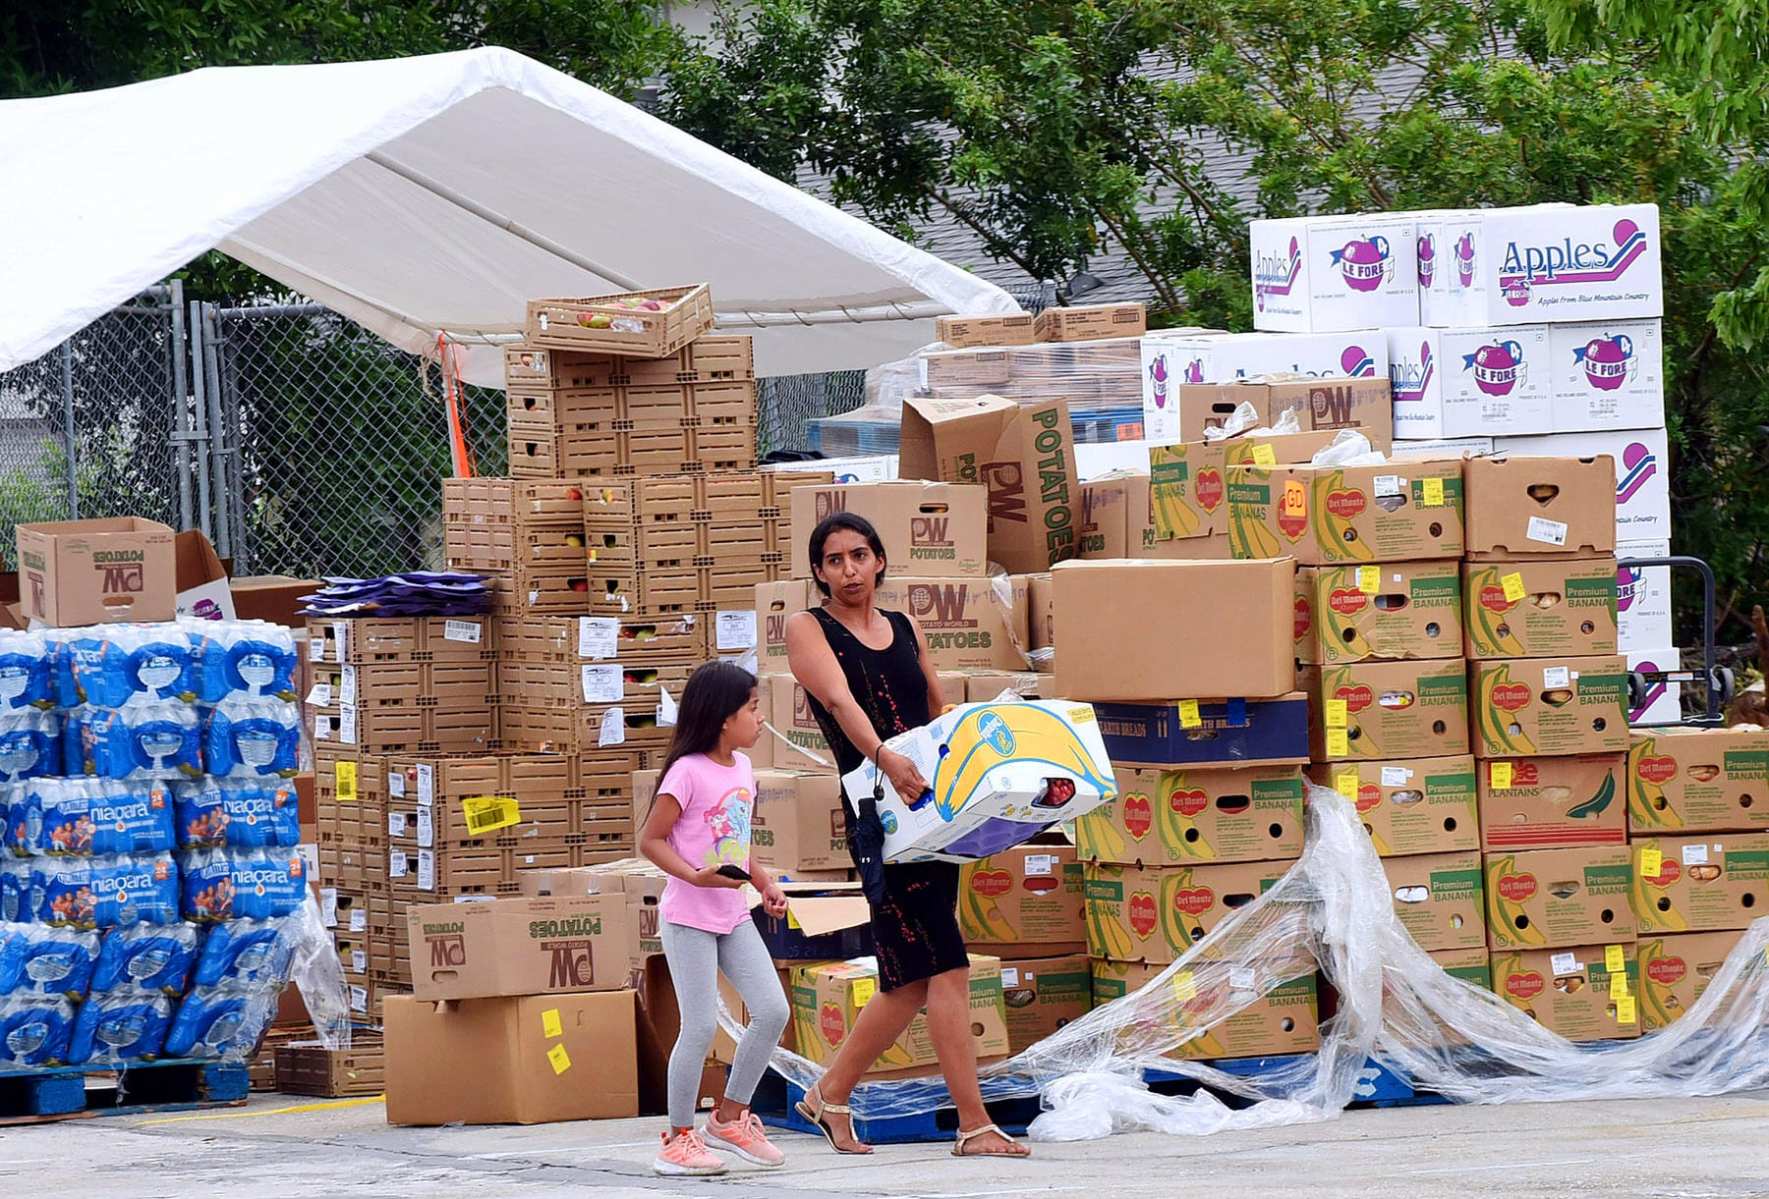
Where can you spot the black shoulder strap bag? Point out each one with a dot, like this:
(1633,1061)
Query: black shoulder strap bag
(865,830)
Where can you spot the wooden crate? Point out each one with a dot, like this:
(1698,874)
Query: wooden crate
(571,324)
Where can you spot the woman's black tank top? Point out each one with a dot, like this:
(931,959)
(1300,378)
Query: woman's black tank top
(887,684)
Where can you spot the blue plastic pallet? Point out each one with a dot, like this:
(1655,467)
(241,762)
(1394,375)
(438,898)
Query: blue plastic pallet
(775,1101)
(177,1084)
(1377,1085)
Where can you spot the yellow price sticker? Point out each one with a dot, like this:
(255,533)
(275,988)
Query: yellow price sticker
(1347,785)
(488,813)
(1188,715)
(1500,775)
(1615,961)
(1185,987)
(1369,579)
(863,991)
(1431,493)
(1618,985)
(1295,501)
(1338,743)
(1337,713)
(1264,455)
(1514,588)
(1626,1011)
(1652,861)
(792,920)
(345,775)
(559,1059)
(550,1023)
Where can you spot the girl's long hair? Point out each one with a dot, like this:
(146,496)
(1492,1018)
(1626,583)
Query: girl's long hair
(715,692)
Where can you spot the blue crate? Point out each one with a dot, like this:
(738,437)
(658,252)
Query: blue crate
(175,1084)
(776,1099)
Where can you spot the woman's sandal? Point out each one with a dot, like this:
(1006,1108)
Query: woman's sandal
(965,1138)
(825,1108)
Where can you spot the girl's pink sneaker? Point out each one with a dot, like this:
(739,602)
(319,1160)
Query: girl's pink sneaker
(685,1153)
(745,1138)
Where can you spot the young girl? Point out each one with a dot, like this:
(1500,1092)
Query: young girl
(698,832)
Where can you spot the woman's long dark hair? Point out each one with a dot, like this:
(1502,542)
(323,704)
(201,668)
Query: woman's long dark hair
(853,524)
(715,692)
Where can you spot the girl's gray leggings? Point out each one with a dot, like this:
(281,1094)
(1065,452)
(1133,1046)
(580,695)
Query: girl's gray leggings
(696,959)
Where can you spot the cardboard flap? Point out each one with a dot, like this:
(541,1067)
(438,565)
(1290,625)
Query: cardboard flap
(824,914)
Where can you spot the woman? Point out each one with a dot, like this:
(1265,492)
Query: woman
(868,680)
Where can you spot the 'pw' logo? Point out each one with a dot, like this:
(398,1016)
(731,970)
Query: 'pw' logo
(930,530)
(448,952)
(571,966)
(938,605)
(123,578)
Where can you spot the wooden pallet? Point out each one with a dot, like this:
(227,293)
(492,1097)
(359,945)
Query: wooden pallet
(78,1092)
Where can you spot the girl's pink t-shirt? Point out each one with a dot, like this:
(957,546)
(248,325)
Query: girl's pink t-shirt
(713,830)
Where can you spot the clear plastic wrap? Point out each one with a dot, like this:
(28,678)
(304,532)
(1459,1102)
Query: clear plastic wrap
(241,659)
(253,738)
(1334,911)
(142,741)
(237,813)
(27,671)
(116,666)
(30,745)
(241,884)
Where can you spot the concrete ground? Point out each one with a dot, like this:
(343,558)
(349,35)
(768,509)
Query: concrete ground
(280,1145)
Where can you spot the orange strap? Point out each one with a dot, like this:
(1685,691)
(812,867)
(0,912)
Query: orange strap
(449,356)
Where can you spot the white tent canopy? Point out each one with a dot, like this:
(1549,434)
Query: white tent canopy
(437,194)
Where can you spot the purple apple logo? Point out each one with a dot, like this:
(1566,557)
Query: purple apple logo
(1364,262)
(1498,368)
(1356,362)
(1427,258)
(1638,465)
(1609,361)
(1627,586)
(1194,371)
(1158,376)
(1465,260)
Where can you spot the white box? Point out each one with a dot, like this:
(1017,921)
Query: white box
(1546,264)
(866,468)
(1664,701)
(1102,458)
(1643,598)
(1643,482)
(1470,382)
(1330,274)
(990,766)
(1443,447)
(1608,376)
(1168,362)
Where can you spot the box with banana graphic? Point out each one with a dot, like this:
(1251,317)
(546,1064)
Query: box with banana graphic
(1022,900)
(1410,805)
(1551,803)
(1179,817)
(1538,608)
(1675,970)
(1698,780)
(1377,710)
(1140,914)
(827,998)
(1583,992)
(1286,1019)
(1327,515)
(1550,898)
(1392,610)
(1701,884)
(1530,707)
(1438,899)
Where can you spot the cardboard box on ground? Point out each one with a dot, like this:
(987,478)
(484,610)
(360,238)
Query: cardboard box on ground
(1285,1020)
(1676,970)
(827,998)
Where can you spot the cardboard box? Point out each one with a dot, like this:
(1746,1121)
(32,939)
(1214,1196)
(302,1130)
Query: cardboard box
(1042,994)
(929,529)
(1391,710)
(1182,817)
(1022,453)
(827,998)
(1000,774)
(1327,515)
(1410,805)
(1122,520)
(1209,405)
(1144,914)
(1643,597)
(988,686)
(1441,447)
(1700,780)
(1438,898)
(520,1060)
(1471,382)
(1090,322)
(1608,376)
(1703,883)
(1675,971)
(1187,490)
(1662,702)
(990,329)
(1642,474)
(1540,608)
(798,823)
(1573,991)
(1249,448)
(1285,1020)
(1535,707)
(1544,898)
(1204,629)
(1519,506)
(1234,732)
(1392,610)
(85,572)
(1025,896)
(789,710)
(273,598)
(1331,403)
(518,947)
(1172,358)
(1322,274)
(1551,803)
(203,592)
(1041,615)
(1472,966)
(966,624)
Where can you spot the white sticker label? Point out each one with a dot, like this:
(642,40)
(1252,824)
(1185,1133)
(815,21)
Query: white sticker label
(1240,978)
(426,827)
(462,630)
(396,824)
(320,696)
(396,784)
(328,906)
(426,784)
(1040,864)
(1396,776)
(347,686)
(1010,977)
(341,640)
(597,636)
(666,708)
(398,865)
(1548,532)
(736,630)
(359,962)
(603,684)
(359,920)
(322,728)
(1389,485)
(347,725)
(316,648)
(359,999)
(1565,963)
(1695,855)
(1556,676)
(614,728)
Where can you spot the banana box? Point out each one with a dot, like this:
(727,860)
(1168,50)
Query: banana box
(1675,970)
(1547,898)
(1410,805)
(1535,609)
(1379,710)
(1041,619)
(1698,779)
(1470,965)
(1022,897)
(999,774)
(1438,899)
(1182,817)
(1326,515)
(827,998)
(1286,1019)
(1535,707)
(1701,884)
(1224,732)
(1139,914)
(1583,992)
(1392,610)
(1517,506)
(1187,490)
(1551,803)
(1119,522)
(1042,994)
